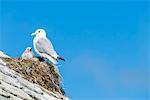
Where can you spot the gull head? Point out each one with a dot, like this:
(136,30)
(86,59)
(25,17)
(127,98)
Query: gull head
(29,49)
(39,32)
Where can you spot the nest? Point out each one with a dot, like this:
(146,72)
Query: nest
(41,73)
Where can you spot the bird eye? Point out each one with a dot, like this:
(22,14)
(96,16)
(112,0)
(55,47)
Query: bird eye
(38,31)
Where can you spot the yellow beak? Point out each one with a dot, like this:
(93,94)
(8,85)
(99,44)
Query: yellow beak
(33,34)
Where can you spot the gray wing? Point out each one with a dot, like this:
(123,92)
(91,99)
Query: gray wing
(45,46)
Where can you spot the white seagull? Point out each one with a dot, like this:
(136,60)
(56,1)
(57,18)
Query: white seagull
(44,47)
(28,54)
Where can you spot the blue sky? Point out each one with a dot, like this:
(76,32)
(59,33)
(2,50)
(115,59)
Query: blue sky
(105,43)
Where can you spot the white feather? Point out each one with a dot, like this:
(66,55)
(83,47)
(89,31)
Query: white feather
(44,47)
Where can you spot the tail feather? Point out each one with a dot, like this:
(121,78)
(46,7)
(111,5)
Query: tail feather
(61,58)
(54,61)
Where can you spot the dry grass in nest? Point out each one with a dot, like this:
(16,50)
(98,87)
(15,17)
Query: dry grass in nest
(41,73)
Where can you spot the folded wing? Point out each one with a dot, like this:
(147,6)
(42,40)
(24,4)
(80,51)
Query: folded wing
(43,45)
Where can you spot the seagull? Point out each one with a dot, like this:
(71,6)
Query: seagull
(3,55)
(44,47)
(27,54)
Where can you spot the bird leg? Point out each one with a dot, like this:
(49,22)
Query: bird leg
(41,58)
